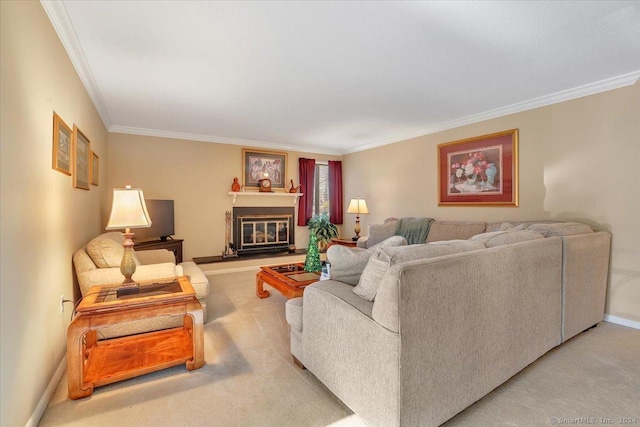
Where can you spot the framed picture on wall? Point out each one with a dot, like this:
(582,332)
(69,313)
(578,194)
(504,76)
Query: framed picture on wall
(61,145)
(95,168)
(479,171)
(82,156)
(259,164)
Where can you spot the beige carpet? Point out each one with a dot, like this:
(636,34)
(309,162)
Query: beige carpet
(250,380)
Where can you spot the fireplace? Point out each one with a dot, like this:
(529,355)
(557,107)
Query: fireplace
(263,229)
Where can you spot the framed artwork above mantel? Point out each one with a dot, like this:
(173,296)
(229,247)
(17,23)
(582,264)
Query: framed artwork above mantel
(479,171)
(260,164)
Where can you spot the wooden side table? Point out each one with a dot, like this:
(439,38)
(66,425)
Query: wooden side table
(92,363)
(344,242)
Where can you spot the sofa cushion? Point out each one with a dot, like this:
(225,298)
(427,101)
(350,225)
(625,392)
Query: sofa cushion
(561,229)
(381,232)
(347,263)
(383,259)
(197,278)
(106,250)
(499,238)
(453,230)
(293,313)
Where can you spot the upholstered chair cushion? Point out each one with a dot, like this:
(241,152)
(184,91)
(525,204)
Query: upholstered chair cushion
(561,229)
(347,263)
(499,238)
(453,230)
(293,313)
(385,258)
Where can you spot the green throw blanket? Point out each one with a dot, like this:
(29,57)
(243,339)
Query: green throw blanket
(415,230)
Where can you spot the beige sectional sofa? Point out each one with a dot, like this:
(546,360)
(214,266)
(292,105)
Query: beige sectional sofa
(442,324)
(98,263)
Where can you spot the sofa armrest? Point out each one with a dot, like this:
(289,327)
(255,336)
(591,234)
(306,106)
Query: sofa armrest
(112,276)
(155,256)
(584,281)
(362,242)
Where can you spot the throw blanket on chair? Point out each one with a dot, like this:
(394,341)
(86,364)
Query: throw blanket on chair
(415,230)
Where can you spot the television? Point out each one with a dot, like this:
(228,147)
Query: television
(162,225)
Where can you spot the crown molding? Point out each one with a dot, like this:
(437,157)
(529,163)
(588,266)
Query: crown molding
(221,140)
(59,17)
(554,98)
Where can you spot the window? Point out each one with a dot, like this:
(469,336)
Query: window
(321,190)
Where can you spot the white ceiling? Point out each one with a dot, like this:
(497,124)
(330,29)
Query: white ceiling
(338,77)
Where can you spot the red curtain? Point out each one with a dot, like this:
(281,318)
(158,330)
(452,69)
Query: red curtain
(307,170)
(335,191)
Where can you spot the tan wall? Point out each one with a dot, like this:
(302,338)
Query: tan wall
(197,176)
(43,218)
(578,160)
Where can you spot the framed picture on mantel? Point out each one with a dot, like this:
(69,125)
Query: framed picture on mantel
(259,164)
(479,171)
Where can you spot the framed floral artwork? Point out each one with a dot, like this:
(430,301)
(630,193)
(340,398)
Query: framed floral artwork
(259,164)
(479,171)
(95,168)
(82,156)
(61,145)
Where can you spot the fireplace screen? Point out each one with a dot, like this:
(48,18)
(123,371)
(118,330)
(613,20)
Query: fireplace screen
(264,232)
(260,230)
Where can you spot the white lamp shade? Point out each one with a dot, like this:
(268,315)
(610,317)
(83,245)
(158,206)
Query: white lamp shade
(357,206)
(128,210)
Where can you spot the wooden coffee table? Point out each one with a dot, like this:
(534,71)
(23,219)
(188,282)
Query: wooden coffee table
(289,279)
(92,363)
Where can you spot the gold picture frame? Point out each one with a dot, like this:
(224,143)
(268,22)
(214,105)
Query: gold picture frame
(82,159)
(255,163)
(62,146)
(479,171)
(95,169)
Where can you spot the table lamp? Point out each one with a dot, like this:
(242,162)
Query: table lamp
(357,206)
(128,211)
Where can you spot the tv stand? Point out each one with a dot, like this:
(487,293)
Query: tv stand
(174,246)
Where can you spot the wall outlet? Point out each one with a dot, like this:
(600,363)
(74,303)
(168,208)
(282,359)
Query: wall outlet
(61,304)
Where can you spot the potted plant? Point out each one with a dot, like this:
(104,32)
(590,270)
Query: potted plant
(323,229)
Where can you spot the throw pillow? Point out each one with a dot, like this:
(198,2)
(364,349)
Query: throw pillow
(383,259)
(105,250)
(561,229)
(347,263)
(381,232)
(499,238)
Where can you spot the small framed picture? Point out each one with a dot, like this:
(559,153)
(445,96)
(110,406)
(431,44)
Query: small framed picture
(61,145)
(82,163)
(479,171)
(95,168)
(259,164)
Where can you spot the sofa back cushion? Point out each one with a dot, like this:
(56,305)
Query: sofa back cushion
(383,259)
(454,230)
(347,263)
(499,238)
(561,229)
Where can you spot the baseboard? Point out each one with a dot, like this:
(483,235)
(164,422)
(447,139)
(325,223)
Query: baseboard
(46,397)
(621,321)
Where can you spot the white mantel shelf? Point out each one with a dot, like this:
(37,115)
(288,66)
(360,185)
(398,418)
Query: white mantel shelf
(235,195)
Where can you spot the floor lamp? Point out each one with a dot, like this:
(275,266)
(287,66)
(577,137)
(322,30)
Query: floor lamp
(128,211)
(357,206)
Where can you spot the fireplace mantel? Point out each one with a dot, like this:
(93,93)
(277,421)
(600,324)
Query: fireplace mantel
(294,196)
